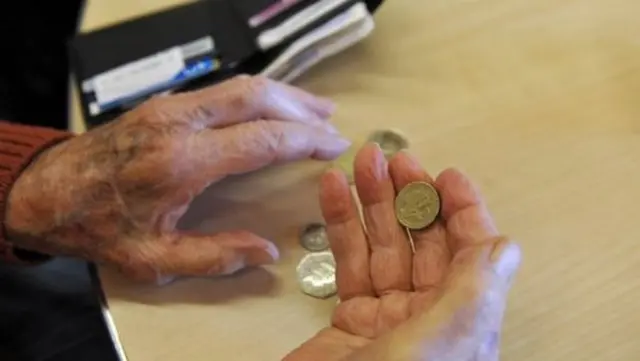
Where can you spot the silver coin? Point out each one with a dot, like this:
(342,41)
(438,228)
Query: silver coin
(391,141)
(314,238)
(317,274)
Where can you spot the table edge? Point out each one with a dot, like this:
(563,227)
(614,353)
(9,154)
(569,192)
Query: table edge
(98,291)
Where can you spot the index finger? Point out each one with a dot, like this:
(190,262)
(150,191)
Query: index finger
(251,146)
(245,98)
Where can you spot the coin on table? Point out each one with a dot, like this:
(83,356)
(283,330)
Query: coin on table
(391,141)
(417,205)
(317,274)
(345,162)
(314,238)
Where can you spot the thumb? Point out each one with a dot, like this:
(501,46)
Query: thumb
(475,297)
(490,265)
(506,259)
(193,255)
(482,275)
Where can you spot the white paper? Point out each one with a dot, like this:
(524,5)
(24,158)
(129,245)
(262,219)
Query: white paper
(282,64)
(335,45)
(272,37)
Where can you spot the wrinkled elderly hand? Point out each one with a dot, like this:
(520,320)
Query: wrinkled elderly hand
(444,302)
(115,194)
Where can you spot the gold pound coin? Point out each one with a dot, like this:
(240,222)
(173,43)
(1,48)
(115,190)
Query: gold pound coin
(391,141)
(417,205)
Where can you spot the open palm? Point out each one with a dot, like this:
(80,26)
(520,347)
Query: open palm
(387,288)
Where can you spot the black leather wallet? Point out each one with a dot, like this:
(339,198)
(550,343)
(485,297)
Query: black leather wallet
(205,42)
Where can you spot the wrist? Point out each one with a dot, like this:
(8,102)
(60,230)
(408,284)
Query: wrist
(20,145)
(20,229)
(25,221)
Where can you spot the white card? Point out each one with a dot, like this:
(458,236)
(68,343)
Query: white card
(134,77)
(189,50)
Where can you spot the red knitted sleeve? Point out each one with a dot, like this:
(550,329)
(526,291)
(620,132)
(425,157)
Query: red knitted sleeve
(19,145)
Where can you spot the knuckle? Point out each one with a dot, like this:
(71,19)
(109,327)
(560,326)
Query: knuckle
(259,83)
(251,82)
(168,112)
(248,90)
(242,78)
(153,109)
(148,143)
(275,139)
(198,113)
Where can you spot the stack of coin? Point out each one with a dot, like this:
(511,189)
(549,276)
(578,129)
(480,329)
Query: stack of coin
(417,205)
(316,270)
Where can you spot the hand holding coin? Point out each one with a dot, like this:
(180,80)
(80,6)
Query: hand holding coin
(444,301)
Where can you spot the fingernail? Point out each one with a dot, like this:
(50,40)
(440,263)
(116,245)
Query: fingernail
(230,269)
(259,257)
(326,107)
(509,260)
(341,144)
(382,165)
(164,280)
(252,256)
(490,345)
(378,149)
(331,128)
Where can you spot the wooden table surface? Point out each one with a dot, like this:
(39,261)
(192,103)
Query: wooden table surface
(539,101)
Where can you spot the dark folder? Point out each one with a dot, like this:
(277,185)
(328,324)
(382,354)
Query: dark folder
(182,48)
